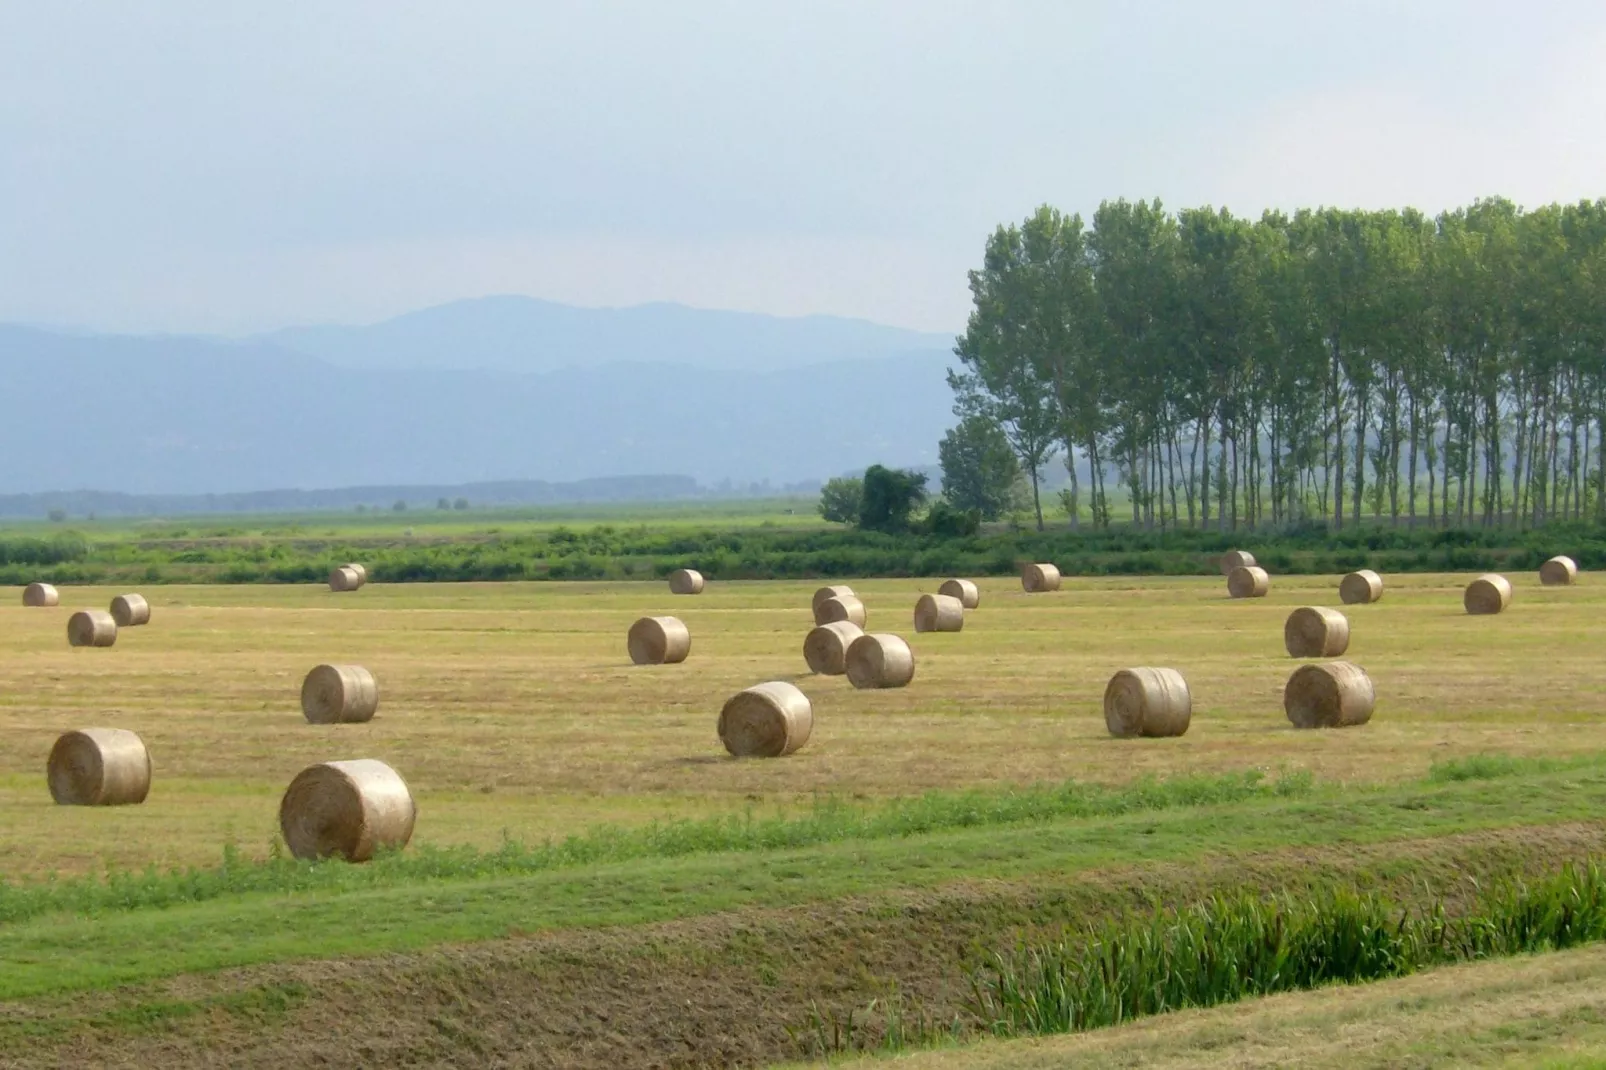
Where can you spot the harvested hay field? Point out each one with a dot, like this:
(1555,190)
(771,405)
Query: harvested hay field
(509,707)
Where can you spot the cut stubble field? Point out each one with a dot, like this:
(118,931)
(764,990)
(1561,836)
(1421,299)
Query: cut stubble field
(512,709)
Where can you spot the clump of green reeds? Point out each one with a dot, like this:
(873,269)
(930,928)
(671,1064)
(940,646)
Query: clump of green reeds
(1236,947)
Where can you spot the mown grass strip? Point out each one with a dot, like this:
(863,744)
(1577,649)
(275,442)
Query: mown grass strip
(828,821)
(63,952)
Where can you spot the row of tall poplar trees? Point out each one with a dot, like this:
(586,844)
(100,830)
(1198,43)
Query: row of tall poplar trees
(1328,364)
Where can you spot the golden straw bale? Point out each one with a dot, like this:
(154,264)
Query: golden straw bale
(879,660)
(351,809)
(130,610)
(1489,593)
(1360,588)
(965,590)
(838,591)
(939,613)
(658,641)
(40,594)
(344,578)
(1147,702)
(1558,572)
(766,721)
(1038,578)
(99,767)
(1248,581)
(91,627)
(1329,694)
(1235,559)
(826,647)
(361,571)
(843,607)
(685,581)
(1316,632)
(339,694)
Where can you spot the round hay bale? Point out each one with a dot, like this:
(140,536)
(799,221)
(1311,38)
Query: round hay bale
(1329,694)
(344,578)
(1234,559)
(1316,632)
(766,721)
(1248,581)
(1489,593)
(1558,572)
(361,570)
(658,641)
(130,610)
(1147,702)
(91,627)
(99,767)
(40,594)
(685,581)
(939,613)
(339,694)
(1039,578)
(880,660)
(350,809)
(843,607)
(826,647)
(1360,588)
(964,590)
(838,591)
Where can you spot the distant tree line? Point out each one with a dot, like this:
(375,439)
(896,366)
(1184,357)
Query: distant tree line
(1324,365)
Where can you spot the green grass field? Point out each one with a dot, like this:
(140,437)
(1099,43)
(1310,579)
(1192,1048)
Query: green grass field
(584,844)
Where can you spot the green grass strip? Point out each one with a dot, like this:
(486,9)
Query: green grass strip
(828,821)
(64,952)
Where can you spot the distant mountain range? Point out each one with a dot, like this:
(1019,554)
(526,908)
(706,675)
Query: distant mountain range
(501,389)
(522,334)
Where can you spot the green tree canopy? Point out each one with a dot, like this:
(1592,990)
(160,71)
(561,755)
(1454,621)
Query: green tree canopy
(840,498)
(979,469)
(890,498)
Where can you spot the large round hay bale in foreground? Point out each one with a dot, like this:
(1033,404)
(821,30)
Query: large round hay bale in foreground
(350,809)
(1248,581)
(966,591)
(842,607)
(840,590)
(1360,588)
(339,694)
(1316,632)
(40,595)
(99,767)
(1147,702)
(766,721)
(685,581)
(826,647)
(880,660)
(1489,593)
(344,578)
(1038,578)
(1235,559)
(1329,694)
(939,613)
(130,610)
(1558,572)
(361,571)
(91,627)
(658,641)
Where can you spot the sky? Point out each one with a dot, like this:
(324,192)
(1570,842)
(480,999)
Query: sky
(229,168)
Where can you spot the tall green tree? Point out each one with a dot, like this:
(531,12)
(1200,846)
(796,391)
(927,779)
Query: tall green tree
(889,499)
(979,469)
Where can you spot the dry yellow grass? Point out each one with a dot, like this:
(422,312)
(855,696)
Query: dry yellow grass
(513,706)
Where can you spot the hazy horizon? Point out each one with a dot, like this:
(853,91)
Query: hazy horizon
(200,168)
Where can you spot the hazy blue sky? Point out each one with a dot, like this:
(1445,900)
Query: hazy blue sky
(234,166)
